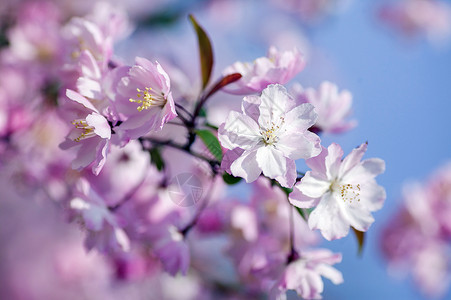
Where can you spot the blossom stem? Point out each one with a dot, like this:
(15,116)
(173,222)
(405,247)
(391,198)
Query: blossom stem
(184,110)
(204,204)
(213,163)
(294,255)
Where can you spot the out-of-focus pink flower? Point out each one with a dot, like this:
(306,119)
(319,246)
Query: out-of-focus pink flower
(104,230)
(277,67)
(431,265)
(173,251)
(145,101)
(304,275)
(35,39)
(418,17)
(331,106)
(417,238)
(273,132)
(344,192)
(311,11)
(90,136)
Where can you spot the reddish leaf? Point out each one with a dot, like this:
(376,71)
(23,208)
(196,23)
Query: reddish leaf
(226,80)
(205,52)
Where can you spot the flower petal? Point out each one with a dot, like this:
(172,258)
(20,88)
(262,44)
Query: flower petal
(246,166)
(333,160)
(313,186)
(353,158)
(296,146)
(329,219)
(298,199)
(271,161)
(301,117)
(239,131)
(274,102)
(289,178)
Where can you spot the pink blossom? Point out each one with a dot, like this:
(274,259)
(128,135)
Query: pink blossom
(332,107)
(304,275)
(277,67)
(173,251)
(145,101)
(104,231)
(417,238)
(90,136)
(344,192)
(273,132)
(312,11)
(418,17)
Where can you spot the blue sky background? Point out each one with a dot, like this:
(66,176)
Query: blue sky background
(402,101)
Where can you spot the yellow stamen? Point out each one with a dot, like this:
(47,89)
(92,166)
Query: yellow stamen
(148,99)
(347,192)
(88,131)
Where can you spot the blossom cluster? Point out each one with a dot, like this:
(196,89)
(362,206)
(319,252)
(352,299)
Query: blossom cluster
(417,238)
(412,18)
(137,167)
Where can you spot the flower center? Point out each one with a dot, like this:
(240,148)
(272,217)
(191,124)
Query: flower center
(148,98)
(347,192)
(269,136)
(87,131)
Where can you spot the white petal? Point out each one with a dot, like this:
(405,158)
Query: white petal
(365,171)
(330,273)
(312,186)
(328,218)
(372,195)
(271,161)
(317,163)
(357,214)
(250,106)
(353,158)
(296,146)
(298,199)
(246,167)
(289,178)
(333,160)
(239,131)
(301,117)
(274,100)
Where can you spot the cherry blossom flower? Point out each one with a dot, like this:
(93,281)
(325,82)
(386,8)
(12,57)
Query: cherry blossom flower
(277,67)
(272,131)
(331,106)
(417,238)
(90,136)
(304,275)
(344,192)
(145,101)
(417,17)
(104,231)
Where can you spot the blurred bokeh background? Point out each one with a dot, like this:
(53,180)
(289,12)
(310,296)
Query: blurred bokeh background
(400,82)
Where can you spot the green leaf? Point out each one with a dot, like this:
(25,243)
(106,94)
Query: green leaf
(203,113)
(360,239)
(212,143)
(230,179)
(301,212)
(156,159)
(205,52)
